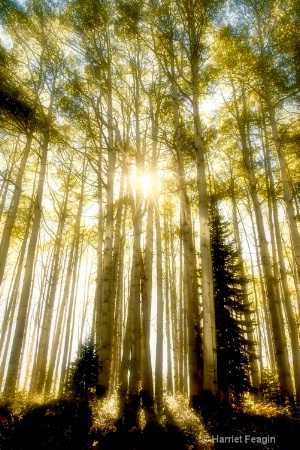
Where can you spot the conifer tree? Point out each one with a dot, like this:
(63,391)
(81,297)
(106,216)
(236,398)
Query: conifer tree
(83,372)
(233,349)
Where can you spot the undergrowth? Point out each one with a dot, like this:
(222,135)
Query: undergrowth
(175,424)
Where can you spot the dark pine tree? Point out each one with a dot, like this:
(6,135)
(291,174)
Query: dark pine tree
(83,373)
(233,349)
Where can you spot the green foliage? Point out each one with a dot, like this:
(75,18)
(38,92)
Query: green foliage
(9,7)
(232,348)
(14,105)
(83,373)
(129,16)
(89,15)
(269,387)
(13,101)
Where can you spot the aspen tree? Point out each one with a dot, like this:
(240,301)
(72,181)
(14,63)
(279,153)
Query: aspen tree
(195,18)
(44,341)
(13,367)
(279,339)
(250,333)
(270,103)
(72,299)
(8,320)
(281,271)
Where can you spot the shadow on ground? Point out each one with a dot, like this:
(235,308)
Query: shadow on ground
(254,431)
(67,424)
(57,425)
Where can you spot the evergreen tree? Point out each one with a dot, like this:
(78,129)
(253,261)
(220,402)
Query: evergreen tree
(83,373)
(233,349)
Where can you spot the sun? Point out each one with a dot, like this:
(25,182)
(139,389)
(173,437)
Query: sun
(146,182)
(143,182)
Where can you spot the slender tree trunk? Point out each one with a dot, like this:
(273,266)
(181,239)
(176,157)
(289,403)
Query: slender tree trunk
(190,272)
(117,258)
(54,356)
(18,339)
(44,341)
(181,355)
(173,299)
(72,299)
(9,318)
(279,339)
(147,379)
(11,217)
(10,220)
(293,330)
(168,314)
(7,178)
(159,313)
(209,321)
(287,192)
(168,333)
(107,301)
(99,279)
(250,333)
(269,345)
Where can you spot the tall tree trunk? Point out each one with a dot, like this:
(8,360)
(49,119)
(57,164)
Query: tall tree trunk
(8,321)
(265,314)
(12,213)
(107,301)
(18,339)
(287,192)
(250,333)
(169,319)
(190,271)
(44,341)
(7,178)
(209,320)
(11,217)
(72,298)
(54,356)
(117,259)
(147,379)
(99,278)
(159,314)
(279,339)
(293,330)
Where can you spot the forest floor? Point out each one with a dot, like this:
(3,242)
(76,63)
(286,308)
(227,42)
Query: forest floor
(68,424)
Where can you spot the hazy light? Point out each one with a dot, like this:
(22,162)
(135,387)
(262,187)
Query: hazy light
(146,182)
